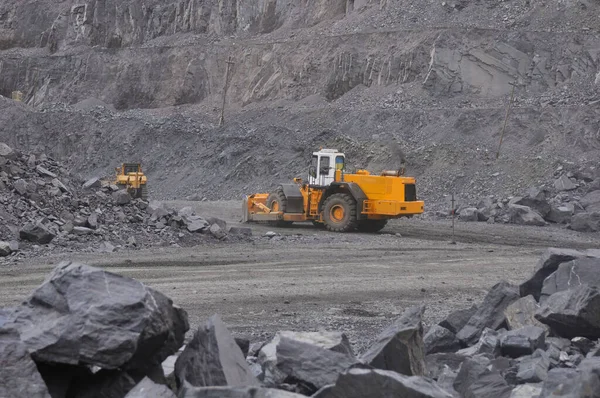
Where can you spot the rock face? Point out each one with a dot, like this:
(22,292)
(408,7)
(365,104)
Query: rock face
(586,222)
(521,313)
(574,312)
(547,264)
(268,356)
(439,339)
(36,233)
(524,341)
(524,215)
(363,383)
(458,319)
(189,391)
(84,315)
(212,358)
(400,347)
(147,388)
(314,367)
(490,313)
(570,274)
(19,374)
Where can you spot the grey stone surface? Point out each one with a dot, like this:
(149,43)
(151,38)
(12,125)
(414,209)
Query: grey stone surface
(490,313)
(534,369)
(522,313)
(5,249)
(37,233)
(377,383)
(564,183)
(212,358)
(548,263)
(524,215)
(149,389)
(235,392)
(311,366)
(82,315)
(532,390)
(399,348)
(570,274)
(439,339)
(436,363)
(523,341)
(586,222)
(458,319)
(489,343)
(121,197)
(573,313)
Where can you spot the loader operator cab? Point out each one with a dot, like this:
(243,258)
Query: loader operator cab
(324,165)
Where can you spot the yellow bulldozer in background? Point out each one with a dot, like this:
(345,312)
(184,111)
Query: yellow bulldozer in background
(341,202)
(131,177)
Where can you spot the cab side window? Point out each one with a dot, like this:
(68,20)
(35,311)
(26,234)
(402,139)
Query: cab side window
(325,164)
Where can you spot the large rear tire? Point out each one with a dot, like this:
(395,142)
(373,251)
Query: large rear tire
(371,225)
(278,202)
(339,213)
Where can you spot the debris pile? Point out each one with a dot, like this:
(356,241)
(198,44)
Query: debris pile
(573,202)
(45,209)
(113,335)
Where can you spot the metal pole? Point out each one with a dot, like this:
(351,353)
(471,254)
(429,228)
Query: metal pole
(453,242)
(512,96)
(225,87)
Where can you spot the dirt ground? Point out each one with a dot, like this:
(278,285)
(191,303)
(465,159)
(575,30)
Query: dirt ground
(309,279)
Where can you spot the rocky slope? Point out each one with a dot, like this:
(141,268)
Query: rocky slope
(352,74)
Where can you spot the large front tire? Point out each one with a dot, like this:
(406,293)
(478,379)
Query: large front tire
(339,213)
(278,202)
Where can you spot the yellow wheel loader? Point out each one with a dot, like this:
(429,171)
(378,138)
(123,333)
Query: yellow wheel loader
(340,201)
(131,177)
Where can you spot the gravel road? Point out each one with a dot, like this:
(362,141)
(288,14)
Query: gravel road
(308,279)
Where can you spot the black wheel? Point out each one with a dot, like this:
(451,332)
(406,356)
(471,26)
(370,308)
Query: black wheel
(371,225)
(278,202)
(339,213)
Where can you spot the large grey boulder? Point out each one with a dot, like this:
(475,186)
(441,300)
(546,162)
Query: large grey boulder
(93,182)
(376,383)
(547,264)
(36,233)
(524,215)
(82,315)
(573,312)
(147,388)
(310,366)
(189,391)
(458,319)
(121,197)
(7,152)
(573,273)
(400,347)
(469,214)
(564,183)
(5,249)
(523,341)
(586,222)
(591,201)
(267,355)
(561,382)
(490,313)
(532,390)
(535,200)
(436,363)
(534,369)
(469,373)
(522,313)
(561,214)
(439,339)
(19,376)
(213,358)
(489,344)
(488,384)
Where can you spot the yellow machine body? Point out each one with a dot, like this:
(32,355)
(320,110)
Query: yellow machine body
(348,201)
(130,176)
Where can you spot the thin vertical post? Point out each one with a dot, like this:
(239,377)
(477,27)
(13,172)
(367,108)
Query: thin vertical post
(225,87)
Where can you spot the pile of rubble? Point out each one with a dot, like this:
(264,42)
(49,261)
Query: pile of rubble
(45,209)
(573,201)
(87,332)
